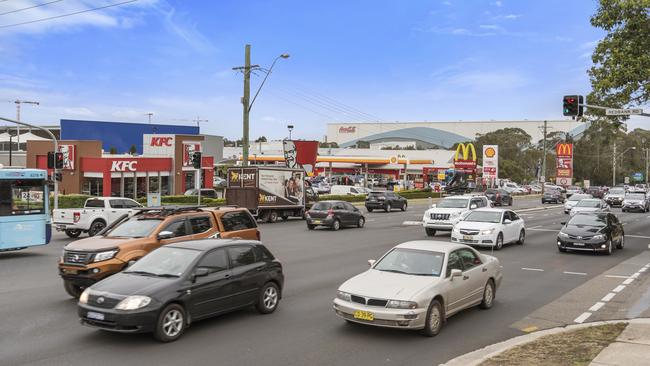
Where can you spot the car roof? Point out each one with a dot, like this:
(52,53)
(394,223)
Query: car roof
(209,244)
(488,209)
(431,245)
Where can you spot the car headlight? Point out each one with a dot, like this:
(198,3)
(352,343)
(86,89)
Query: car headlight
(102,256)
(563,235)
(397,304)
(83,299)
(343,296)
(487,232)
(598,237)
(456,229)
(133,302)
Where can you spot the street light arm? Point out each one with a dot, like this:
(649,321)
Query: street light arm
(263,81)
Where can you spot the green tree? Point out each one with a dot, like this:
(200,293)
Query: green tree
(112,150)
(261,139)
(133,150)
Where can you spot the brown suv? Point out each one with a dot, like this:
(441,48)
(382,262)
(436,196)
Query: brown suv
(89,260)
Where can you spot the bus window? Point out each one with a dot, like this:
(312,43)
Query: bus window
(26,198)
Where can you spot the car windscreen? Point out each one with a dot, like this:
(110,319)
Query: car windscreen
(484,216)
(412,262)
(620,191)
(321,206)
(588,203)
(635,196)
(587,220)
(453,203)
(165,261)
(578,197)
(135,227)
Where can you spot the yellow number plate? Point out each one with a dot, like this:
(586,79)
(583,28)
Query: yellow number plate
(364,315)
(467,237)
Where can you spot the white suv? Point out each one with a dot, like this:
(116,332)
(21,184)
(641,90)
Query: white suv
(444,215)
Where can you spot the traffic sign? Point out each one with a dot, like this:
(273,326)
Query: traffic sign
(638,176)
(623,111)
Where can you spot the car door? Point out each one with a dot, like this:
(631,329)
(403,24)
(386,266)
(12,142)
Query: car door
(341,213)
(115,210)
(518,224)
(239,224)
(474,274)
(353,213)
(459,287)
(179,228)
(247,274)
(201,225)
(508,229)
(211,294)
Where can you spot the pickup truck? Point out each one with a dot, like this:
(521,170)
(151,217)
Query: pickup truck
(96,214)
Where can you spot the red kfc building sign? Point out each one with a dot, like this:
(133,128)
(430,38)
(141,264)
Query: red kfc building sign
(161,141)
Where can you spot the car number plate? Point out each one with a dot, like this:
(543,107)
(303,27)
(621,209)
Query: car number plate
(94,315)
(364,315)
(316,221)
(467,237)
(578,244)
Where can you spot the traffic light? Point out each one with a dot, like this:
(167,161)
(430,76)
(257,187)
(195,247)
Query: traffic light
(196,160)
(58,176)
(50,159)
(572,105)
(58,160)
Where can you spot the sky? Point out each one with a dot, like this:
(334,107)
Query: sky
(350,61)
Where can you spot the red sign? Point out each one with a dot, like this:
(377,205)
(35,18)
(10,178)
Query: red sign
(189,148)
(161,141)
(349,129)
(564,150)
(300,154)
(101,165)
(69,155)
(489,170)
(564,173)
(124,166)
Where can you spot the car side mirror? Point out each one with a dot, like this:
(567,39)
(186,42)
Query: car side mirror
(563,223)
(433,205)
(371,262)
(473,207)
(507,221)
(165,235)
(200,272)
(455,273)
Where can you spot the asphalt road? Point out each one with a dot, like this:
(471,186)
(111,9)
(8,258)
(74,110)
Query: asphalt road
(40,326)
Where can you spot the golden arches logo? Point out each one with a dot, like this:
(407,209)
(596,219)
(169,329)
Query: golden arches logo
(489,152)
(464,151)
(564,149)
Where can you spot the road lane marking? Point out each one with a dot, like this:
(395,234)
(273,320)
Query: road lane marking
(628,281)
(575,273)
(532,328)
(637,236)
(608,297)
(619,288)
(412,223)
(584,316)
(597,306)
(617,276)
(532,269)
(534,227)
(643,269)
(553,230)
(635,275)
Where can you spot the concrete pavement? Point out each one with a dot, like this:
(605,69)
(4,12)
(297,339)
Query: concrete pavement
(632,347)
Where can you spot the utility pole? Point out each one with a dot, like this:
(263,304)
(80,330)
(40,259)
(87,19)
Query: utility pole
(245,102)
(614,166)
(18,103)
(543,175)
(149,114)
(646,167)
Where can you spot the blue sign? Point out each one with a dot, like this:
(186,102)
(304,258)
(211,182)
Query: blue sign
(637,177)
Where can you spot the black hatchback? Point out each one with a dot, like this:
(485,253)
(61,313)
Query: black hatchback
(385,200)
(334,214)
(593,232)
(500,197)
(180,283)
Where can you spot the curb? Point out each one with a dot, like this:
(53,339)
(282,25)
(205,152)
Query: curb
(476,357)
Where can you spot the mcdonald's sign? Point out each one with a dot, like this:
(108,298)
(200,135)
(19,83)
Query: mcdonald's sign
(564,150)
(465,157)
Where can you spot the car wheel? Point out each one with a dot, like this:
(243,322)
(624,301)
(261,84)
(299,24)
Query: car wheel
(388,207)
(522,237)
(488,295)
(285,218)
(621,243)
(434,321)
(336,225)
(272,217)
(510,202)
(499,243)
(610,247)
(96,227)
(73,233)
(404,207)
(171,323)
(72,289)
(430,232)
(361,222)
(269,298)
(369,209)
(311,227)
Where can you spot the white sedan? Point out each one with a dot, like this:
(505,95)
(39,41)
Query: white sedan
(572,201)
(418,284)
(490,227)
(590,205)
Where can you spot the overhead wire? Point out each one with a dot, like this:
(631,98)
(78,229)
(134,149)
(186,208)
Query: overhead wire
(30,7)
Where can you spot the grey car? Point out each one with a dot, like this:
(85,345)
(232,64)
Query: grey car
(635,202)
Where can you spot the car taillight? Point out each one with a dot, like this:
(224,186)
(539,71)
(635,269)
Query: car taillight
(330,212)
(76,216)
(259,236)
(307,215)
(498,195)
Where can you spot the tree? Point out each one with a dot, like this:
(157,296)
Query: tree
(261,139)
(363,144)
(112,150)
(326,145)
(620,75)
(133,150)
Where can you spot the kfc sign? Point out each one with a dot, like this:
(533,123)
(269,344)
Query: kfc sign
(349,129)
(161,141)
(123,166)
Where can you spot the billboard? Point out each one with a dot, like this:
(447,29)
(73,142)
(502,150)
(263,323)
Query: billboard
(564,163)
(465,157)
(278,187)
(189,148)
(157,144)
(300,154)
(491,161)
(68,156)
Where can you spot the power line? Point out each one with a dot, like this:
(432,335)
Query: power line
(67,15)
(31,7)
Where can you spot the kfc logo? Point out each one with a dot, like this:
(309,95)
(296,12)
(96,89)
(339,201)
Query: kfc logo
(124,166)
(161,141)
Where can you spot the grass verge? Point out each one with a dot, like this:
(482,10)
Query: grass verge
(576,348)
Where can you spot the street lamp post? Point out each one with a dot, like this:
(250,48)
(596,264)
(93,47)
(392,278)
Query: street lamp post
(290,128)
(18,103)
(614,158)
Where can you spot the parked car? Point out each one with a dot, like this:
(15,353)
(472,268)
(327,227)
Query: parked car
(571,190)
(635,202)
(490,227)
(553,196)
(499,197)
(596,192)
(178,284)
(385,200)
(334,214)
(418,285)
(323,188)
(590,205)
(615,196)
(446,213)
(219,183)
(96,214)
(573,200)
(205,193)
(346,191)
(597,232)
(87,261)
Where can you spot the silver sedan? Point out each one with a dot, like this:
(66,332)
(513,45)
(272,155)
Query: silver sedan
(418,284)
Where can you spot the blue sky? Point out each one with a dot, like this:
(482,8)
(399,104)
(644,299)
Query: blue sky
(350,61)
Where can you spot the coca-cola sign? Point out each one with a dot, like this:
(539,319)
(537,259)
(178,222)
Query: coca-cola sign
(348,129)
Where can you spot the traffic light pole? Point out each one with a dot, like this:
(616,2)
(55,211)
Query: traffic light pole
(198,173)
(56,148)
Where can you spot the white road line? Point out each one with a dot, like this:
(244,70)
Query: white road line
(584,316)
(412,223)
(619,288)
(643,269)
(608,297)
(635,275)
(637,236)
(530,228)
(532,269)
(553,230)
(575,273)
(597,306)
(617,276)
(628,281)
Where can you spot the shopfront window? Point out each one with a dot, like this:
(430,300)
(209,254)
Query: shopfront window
(93,186)
(116,187)
(189,180)
(129,186)
(154,181)
(141,187)
(165,186)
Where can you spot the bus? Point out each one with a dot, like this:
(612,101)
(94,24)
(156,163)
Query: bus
(25,219)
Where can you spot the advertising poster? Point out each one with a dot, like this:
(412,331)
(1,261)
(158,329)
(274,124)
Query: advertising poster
(491,161)
(564,163)
(278,187)
(68,156)
(300,154)
(189,148)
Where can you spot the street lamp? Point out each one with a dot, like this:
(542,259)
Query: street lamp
(290,128)
(11,146)
(615,157)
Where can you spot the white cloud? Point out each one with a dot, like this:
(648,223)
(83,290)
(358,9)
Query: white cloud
(448,3)
(512,16)
(180,26)
(490,26)
(498,3)
(589,45)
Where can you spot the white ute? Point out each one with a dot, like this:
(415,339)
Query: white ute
(449,211)
(96,214)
